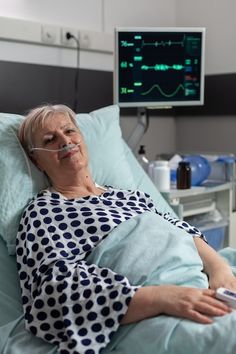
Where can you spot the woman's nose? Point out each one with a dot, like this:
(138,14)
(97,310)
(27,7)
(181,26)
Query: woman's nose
(64,140)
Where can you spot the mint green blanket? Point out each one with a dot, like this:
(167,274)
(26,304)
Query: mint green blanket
(148,250)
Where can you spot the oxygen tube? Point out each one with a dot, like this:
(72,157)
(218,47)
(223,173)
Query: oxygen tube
(65,148)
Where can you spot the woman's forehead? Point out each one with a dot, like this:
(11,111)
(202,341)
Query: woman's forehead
(57,121)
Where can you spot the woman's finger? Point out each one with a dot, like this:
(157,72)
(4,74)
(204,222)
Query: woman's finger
(211,310)
(199,317)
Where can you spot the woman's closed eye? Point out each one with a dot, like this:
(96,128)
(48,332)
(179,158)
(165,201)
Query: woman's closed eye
(71,131)
(49,139)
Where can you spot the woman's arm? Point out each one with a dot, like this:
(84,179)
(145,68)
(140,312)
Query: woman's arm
(195,304)
(217,269)
(199,305)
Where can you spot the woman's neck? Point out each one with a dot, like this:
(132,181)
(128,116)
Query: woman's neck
(78,187)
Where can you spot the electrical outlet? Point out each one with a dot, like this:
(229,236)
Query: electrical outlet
(84,39)
(69,42)
(48,34)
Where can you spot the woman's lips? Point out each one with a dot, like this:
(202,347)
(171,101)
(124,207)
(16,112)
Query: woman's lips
(69,153)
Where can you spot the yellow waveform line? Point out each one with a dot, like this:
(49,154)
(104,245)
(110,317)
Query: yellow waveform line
(162,92)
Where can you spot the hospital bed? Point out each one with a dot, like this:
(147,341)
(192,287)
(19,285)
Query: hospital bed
(112,163)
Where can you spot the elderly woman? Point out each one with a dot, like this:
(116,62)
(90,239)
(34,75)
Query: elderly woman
(67,300)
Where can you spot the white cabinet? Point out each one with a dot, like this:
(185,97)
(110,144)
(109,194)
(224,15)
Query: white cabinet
(208,208)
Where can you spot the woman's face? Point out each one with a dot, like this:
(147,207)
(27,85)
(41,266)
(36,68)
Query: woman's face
(59,131)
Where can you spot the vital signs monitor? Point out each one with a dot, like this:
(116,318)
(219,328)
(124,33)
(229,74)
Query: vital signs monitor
(158,67)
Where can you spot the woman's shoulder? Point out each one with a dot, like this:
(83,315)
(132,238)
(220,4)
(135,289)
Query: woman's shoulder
(41,197)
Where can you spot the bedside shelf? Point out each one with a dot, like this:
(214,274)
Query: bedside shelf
(201,202)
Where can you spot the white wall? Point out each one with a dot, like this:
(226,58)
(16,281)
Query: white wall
(72,13)
(97,15)
(219,19)
(139,13)
(78,14)
(213,134)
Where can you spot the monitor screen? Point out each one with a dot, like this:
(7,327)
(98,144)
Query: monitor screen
(159,67)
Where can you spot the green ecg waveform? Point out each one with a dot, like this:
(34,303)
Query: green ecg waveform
(162,67)
(162,92)
(125,43)
(163,43)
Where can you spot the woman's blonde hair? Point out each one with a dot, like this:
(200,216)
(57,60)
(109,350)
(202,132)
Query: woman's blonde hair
(36,118)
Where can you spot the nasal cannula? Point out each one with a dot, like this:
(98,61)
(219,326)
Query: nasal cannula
(64,148)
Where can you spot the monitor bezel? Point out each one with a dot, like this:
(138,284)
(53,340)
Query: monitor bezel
(158,104)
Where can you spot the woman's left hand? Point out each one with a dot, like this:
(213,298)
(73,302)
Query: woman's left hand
(218,270)
(222,279)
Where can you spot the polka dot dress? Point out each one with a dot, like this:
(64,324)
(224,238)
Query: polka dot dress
(67,301)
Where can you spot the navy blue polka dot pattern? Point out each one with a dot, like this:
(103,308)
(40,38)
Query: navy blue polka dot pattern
(67,301)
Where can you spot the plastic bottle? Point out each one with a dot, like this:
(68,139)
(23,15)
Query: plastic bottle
(183,175)
(142,158)
(161,175)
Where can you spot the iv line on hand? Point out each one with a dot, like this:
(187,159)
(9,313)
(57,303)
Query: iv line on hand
(64,148)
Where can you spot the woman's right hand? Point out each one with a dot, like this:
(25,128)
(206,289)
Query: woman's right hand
(199,305)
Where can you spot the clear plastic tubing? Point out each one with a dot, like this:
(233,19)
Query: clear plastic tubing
(65,148)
